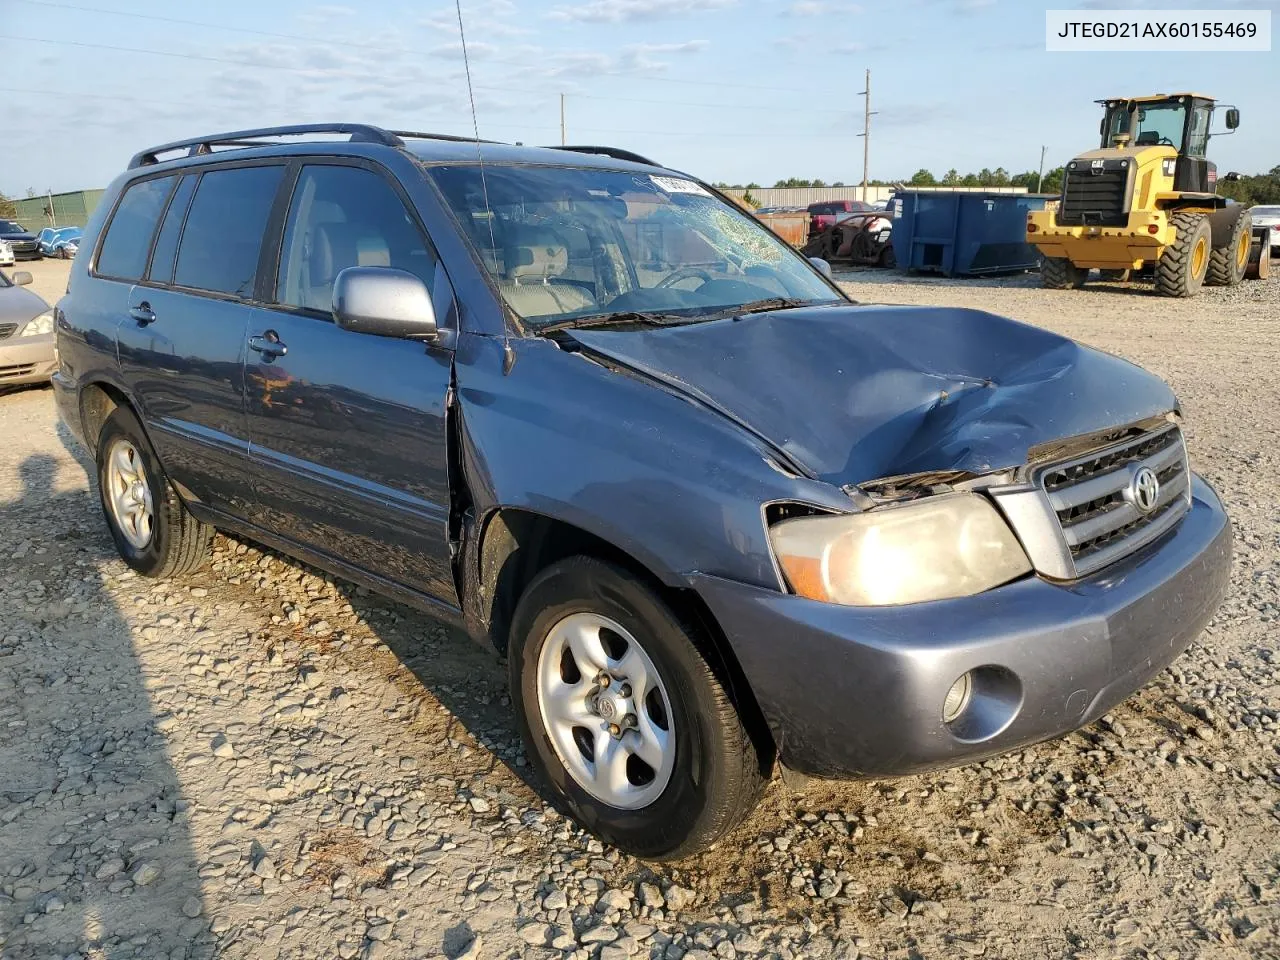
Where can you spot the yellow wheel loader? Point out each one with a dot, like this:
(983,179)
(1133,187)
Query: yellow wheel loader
(1146,198)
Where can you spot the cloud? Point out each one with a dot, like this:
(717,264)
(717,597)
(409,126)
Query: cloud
(476,50)
(624,11)
(820,8)
(808,42)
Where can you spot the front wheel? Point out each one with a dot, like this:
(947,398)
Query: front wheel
(1185,262)
(152,529)
(625,717)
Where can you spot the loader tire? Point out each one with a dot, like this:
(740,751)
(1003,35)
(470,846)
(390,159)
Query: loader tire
(1228,263)
(1059,273)
(1184,263)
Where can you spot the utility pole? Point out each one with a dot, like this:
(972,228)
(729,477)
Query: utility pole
(1040,175)
(866,136)
(562,139)
(53,222)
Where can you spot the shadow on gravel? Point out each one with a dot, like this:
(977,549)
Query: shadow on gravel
(96,857)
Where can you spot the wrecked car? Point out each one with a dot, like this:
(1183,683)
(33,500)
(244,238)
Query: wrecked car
(716,516)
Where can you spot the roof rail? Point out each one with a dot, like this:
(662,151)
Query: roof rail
(453,138)
(616,152)
(199,146)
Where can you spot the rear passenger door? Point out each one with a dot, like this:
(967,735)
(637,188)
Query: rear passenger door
(347,430)
(182,339)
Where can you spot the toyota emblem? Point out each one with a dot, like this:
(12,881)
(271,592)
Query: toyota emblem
(1144,489)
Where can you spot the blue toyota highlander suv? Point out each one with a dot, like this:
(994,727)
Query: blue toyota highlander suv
(715,515)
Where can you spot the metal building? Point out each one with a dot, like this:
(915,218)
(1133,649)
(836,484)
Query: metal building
(69,209)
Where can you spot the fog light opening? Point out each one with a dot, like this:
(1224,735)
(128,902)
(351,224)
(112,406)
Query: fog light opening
(957,698)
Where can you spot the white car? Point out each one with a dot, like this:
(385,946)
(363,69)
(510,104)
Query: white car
(1269,216)
(6,254)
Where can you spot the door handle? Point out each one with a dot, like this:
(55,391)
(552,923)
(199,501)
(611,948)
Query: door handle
(142,313)
(268,345)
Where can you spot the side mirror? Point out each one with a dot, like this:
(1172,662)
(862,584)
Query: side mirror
(822,266)
(384,302)
(1233,118)
(1102,127)
(22,278)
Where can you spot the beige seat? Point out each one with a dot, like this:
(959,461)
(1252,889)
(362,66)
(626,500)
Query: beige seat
(530,285)
(334,247)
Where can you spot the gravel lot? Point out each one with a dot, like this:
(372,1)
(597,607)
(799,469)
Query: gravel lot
(262,761)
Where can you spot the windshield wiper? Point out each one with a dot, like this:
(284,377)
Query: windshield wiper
(770,303)
(610,319)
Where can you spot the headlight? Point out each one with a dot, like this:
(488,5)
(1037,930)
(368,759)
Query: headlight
(40,325)
(945,546)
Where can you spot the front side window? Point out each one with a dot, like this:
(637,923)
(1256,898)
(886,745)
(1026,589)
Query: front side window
(566,243)
(128,240)
(222,238)
(341,217)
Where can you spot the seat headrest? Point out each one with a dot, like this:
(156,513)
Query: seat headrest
(337,246)
(536,252)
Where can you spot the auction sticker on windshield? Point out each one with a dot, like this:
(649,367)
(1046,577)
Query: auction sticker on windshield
(676,185)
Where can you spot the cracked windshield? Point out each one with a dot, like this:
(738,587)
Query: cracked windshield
(575,243)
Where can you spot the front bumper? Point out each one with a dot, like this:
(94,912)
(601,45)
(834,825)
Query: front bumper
(26,360)
(858,691)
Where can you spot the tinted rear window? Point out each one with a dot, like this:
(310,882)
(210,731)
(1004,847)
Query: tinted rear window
(167,243)
(128,241)
(223,235)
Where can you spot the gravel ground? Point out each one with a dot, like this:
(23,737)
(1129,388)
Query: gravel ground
(259,760)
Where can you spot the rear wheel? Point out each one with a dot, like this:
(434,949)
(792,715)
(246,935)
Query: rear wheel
(1184,263)
(1059,273)
(888,259)
(623,715)
(1228,263)
(153,531)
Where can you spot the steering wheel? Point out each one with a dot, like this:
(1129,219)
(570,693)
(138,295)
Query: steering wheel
(684,273)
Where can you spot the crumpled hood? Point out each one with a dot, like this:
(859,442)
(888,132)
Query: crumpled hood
(853,393)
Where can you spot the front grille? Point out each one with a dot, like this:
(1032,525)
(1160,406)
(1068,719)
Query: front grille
(1093,500)
(1095,197)
(16,370)
(6,330)
(23,246)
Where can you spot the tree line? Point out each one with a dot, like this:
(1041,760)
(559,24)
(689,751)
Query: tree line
(1249,190)
(1258,188)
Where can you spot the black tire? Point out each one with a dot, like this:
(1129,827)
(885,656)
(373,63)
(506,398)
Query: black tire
(179,543)
(1059,273)
(1115,276)
(888,258)
(1184,263)
(1229,262)
(719,771)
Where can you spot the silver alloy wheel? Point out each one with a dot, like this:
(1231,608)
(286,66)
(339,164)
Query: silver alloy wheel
(606,711)
(129,494)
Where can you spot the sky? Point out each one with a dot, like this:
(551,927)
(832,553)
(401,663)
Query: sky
(729,90)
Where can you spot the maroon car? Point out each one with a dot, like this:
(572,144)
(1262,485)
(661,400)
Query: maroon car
(829,212)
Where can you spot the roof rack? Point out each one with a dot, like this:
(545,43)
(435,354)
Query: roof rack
(358,132)
(199,146)
(616,152)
